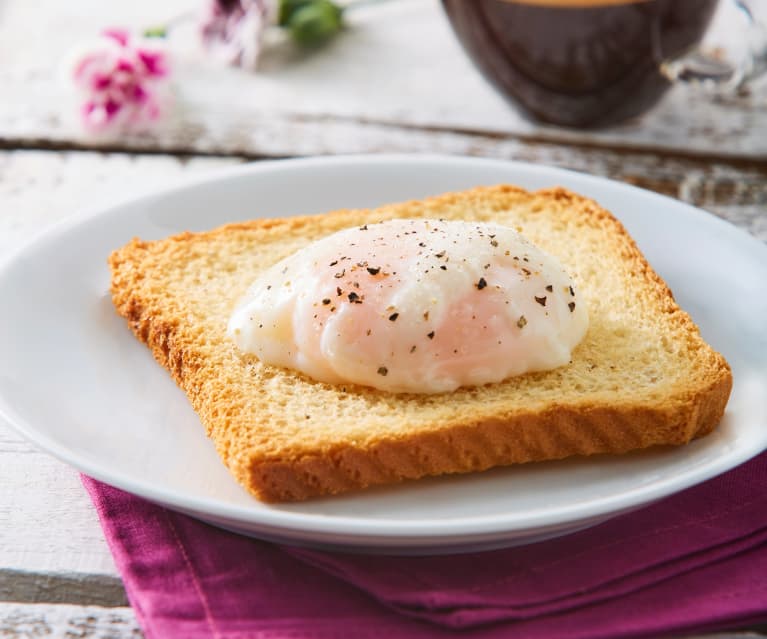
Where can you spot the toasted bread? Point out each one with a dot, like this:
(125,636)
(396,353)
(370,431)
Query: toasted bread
(641,377)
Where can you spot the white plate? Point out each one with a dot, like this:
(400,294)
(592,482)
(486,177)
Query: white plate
(75,381)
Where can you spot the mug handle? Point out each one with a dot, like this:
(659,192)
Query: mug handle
(729,76)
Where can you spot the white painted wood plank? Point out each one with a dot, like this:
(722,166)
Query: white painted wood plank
(47,524)
(28,621)
(32,621)
(38,188)
(398,68)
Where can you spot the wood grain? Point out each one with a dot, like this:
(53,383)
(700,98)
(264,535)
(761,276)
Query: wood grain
(38,188)
(33,621)
(396,80)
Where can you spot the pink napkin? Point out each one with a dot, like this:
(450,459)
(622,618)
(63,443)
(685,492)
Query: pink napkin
(695,562)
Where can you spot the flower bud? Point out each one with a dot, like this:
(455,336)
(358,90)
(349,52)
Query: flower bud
(315,22)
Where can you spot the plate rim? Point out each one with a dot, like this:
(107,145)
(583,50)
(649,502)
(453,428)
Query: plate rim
(357,527)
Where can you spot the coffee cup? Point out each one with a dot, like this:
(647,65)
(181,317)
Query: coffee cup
(585,63)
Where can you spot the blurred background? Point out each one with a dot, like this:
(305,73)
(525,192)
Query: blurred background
(394,78)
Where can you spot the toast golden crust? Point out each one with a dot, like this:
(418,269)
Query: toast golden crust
(641,377)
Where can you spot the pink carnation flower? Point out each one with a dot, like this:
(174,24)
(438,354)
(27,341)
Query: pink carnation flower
(122,82)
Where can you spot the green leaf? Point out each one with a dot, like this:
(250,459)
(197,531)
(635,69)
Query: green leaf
(315,22)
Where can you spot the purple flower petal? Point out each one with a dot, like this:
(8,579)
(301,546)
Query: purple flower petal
(122,85)
(154,62)
(100,81)
(233,29)
(139,94)
(123,64)
(112,108)
(121,36)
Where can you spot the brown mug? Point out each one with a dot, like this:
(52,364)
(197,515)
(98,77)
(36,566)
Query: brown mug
(593,62)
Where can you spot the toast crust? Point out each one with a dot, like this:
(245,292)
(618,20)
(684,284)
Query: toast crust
(286,437)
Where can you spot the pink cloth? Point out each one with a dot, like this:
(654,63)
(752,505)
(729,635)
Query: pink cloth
(695,562)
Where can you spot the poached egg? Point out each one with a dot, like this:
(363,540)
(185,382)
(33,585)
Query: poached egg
(413,305)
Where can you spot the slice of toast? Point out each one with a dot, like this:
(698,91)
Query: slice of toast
(642,376)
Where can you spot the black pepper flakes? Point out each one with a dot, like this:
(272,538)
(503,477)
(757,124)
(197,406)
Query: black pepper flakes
(522,321)
(440,254)
(339,275)
(374,271)
(354,298)
(393,317)
(494,243)
(382,370)
(541,300)
(334,262)
(482,283)
(412,348)
(430,335)
(443,267)
(572,292)
(571,306)
(326,301)
(364,227)
(339,291)
(550,288)
(526,271)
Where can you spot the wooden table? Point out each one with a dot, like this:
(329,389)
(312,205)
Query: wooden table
(395,81)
